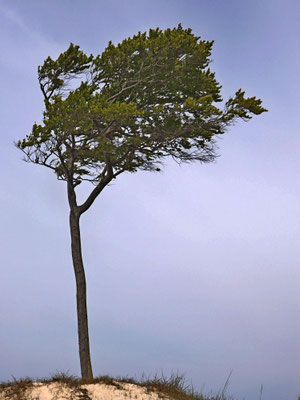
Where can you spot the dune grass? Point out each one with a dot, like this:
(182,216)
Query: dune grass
(173,388)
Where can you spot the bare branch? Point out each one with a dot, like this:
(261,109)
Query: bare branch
(93,195)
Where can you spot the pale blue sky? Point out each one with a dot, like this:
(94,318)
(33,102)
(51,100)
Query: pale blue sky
(194,270)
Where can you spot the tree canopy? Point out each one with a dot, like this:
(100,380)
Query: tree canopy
(147,98)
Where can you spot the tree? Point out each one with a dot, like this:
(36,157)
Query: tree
(150,97)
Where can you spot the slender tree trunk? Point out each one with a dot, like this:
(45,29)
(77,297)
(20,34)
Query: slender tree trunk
(82,319)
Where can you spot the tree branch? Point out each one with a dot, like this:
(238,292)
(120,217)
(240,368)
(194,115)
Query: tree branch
(93,195)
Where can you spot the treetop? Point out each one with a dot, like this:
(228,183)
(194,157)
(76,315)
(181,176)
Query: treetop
(147,98)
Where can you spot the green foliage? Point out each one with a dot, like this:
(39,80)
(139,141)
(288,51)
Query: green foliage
(150,97)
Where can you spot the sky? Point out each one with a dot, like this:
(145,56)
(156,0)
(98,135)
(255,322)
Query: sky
(194,270)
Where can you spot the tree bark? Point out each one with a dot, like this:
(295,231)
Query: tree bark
(82,319)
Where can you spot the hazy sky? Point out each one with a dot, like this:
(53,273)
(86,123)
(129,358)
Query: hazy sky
(194,270)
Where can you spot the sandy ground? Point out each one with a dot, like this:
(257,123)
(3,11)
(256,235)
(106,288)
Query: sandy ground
(99,391)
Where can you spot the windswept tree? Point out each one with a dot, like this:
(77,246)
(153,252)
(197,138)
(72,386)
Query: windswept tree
(148,98)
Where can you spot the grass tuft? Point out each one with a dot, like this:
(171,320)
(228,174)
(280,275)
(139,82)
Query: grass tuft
(16,389)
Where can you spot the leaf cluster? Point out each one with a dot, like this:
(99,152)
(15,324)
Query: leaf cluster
(150,97)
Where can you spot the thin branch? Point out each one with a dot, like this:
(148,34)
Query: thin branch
(112,98)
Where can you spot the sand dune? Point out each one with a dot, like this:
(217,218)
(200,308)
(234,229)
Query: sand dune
(62,391)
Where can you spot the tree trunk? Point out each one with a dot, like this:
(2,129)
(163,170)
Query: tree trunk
(82,319)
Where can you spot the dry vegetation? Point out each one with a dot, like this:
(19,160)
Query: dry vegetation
(67,387)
